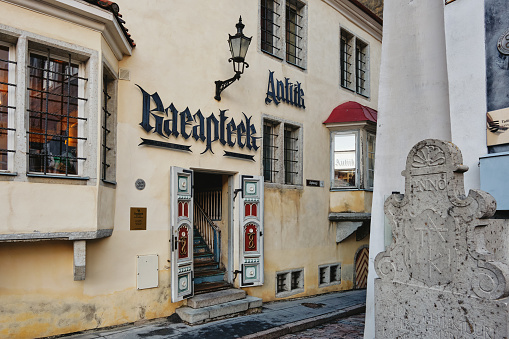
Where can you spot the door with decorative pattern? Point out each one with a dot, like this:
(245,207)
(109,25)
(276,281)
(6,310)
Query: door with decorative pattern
(181,218)
(251,230)
(361,268)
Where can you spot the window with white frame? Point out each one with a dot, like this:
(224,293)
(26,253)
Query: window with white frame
(352,159)
(7,105)
(282,152)
(55,114)
(354,63)
(108,128)
(283,30)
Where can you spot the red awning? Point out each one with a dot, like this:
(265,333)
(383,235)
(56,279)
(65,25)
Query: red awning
(351,111)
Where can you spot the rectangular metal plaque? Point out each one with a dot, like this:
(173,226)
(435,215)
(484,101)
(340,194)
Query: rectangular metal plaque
(314,183)
(138,218)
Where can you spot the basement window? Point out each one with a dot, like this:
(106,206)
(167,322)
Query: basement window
(329,274)
(289,282)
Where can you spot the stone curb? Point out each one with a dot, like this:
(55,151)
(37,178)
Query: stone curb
(301,325)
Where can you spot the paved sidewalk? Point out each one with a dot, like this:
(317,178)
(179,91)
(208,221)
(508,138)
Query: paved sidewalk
(276,320)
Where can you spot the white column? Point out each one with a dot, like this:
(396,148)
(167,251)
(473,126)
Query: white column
(413,106)
(466,68)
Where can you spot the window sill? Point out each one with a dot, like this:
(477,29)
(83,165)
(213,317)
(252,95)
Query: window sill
(10,174)
(283,186)
(272,55)
(114,183)
(284,294)
(53,176)
(346,189)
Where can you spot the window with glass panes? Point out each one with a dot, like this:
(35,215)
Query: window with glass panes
(345,159)
(370,171)
(270,147)
(7,107)
(294,32)
(55,125)
(269,18)
(354,63)
(361,68)
(290,154)
(346,56)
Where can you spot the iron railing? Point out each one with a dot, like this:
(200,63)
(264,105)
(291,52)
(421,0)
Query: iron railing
(209,231)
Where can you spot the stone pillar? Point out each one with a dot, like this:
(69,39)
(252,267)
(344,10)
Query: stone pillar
(413,105)
(466,71)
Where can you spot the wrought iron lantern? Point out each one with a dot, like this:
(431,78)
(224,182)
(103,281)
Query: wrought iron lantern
(239,44)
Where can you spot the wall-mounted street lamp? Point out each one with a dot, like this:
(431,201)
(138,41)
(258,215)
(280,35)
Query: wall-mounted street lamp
(239,44)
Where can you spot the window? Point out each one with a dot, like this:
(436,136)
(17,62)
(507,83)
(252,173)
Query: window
(290,154)
(55,95)
(270,40)
(282,152)
(294,32)
(288,43)
(269,150)
(352,159)
(7,107)
(289,282)
(108,128)
(354,67)
(345,160)
(329,275)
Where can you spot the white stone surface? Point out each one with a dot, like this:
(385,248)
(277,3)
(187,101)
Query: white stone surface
(445,274)
(413,105)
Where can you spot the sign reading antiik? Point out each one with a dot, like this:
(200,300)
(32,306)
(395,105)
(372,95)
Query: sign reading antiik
(169,122)
(285,91)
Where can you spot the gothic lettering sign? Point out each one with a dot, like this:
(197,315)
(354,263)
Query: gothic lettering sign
(168,122)
(444,275)
(284,91)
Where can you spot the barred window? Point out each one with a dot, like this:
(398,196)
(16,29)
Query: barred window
(346,59)
(361,66)
(7,107)
(294,32)
(55,125)
(108,129)
(290,154)
(354,67)
(282,148)
(269,150)
(270,40)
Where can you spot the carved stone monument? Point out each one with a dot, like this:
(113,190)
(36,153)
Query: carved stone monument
(445,274)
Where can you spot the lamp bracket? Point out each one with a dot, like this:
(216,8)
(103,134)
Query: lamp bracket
(221,85)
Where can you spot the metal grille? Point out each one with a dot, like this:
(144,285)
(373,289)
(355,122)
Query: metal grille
(269,26)
(293,32)
(53,115)
(290,154)
(295,280)
(269,151)
(281,282)
(334,273)
(106,145)
(360,67)
(5,107)
(346,63)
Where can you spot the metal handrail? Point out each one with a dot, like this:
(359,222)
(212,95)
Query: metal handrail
(209,231)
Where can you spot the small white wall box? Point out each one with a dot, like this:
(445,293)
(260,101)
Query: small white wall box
(147,273)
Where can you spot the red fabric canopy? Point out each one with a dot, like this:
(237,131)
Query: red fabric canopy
(351,111)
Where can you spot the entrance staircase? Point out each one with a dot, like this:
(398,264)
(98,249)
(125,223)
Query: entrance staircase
(214,298)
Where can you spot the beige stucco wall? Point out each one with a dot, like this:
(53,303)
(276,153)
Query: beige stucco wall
(181,50)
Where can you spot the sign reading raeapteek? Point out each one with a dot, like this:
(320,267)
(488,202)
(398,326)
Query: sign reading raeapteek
(285,91)
(169,122)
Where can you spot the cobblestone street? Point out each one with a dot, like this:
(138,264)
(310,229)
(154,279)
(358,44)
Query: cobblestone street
(346,328)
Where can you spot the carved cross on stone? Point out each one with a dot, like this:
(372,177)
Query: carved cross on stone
(445,254)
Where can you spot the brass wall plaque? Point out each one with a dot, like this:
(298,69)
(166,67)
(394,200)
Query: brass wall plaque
(138,218)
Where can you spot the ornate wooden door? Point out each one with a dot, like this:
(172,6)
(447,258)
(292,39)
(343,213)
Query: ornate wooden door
(251,230)
(361,268)
(181,218)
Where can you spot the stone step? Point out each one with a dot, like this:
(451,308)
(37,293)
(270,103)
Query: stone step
(194,316)
(206,265)
(215,298)
(214,275)
(210,287)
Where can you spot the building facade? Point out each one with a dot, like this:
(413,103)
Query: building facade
(121,172)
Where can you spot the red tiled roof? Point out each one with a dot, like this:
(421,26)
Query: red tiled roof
(114,9)
(351,111)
